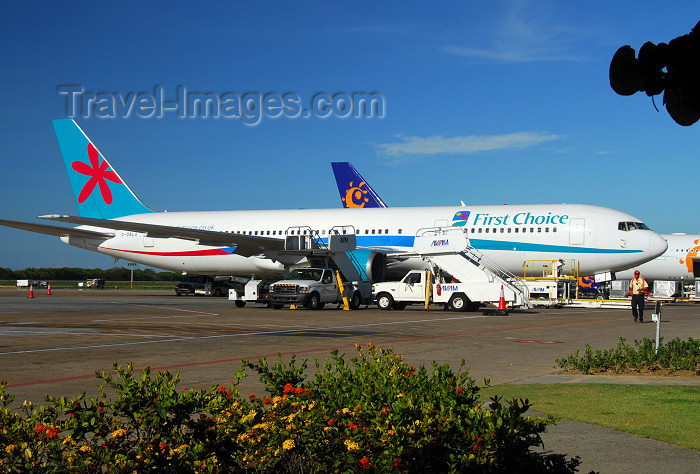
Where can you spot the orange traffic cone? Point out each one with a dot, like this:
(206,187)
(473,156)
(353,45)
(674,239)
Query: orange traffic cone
(31,291)
(502,301)
(48,289)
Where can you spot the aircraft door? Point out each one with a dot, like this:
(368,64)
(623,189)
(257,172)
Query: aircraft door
(441,223)
(577,228)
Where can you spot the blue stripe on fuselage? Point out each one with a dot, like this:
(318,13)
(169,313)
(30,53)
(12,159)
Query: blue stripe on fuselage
(482,244)
(406,241)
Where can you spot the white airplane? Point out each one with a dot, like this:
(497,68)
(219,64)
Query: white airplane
(680,262)
(114,222)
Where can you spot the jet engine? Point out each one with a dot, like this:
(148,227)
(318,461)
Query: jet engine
(372,262)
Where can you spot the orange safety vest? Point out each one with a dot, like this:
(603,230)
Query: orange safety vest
(638,286)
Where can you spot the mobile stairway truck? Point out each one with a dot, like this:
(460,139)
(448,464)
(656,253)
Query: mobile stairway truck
(341,278)
(474,283)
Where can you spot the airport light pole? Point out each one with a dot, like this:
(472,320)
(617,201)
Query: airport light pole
(132,265)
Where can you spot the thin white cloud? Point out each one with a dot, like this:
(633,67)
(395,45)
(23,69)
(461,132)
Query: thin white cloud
(465,145)
(525,33)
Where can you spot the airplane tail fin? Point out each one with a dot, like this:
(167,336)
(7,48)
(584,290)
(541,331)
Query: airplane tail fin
(354,190)
(98,190)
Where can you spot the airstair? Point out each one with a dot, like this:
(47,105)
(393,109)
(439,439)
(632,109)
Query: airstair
(448,249)
(336,251)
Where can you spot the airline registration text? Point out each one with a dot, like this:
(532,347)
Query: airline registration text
(521,218)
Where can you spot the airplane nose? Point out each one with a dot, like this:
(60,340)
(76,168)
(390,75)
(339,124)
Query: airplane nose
(657,245)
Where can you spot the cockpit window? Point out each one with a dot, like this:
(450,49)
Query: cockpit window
(626,226)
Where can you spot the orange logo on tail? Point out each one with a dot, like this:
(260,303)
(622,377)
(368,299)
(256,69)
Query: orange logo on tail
(354,195)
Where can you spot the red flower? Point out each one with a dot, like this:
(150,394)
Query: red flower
(460,390)
(51,433)
(39,428)
(98,174)
(222,388)
(364,462)
(331,422)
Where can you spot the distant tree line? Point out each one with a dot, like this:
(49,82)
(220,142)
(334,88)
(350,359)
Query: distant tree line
(112,274)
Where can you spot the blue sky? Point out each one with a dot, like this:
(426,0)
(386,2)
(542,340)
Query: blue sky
(486,102)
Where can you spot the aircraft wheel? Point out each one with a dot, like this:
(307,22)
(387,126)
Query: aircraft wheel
(355,301)
(277,306)
(398,306)
(385,301)
(240,303)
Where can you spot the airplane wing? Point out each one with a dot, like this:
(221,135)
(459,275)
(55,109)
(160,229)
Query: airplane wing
(246,245)
(58,231)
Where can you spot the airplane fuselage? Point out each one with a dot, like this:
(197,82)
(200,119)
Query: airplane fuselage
(677,263)
(509,235)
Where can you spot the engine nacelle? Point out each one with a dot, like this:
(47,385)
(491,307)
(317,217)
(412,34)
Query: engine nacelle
(373,262)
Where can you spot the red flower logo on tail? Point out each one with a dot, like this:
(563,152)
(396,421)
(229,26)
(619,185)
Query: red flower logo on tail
(98,174)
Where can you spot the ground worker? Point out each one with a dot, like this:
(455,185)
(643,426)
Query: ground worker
(638,288)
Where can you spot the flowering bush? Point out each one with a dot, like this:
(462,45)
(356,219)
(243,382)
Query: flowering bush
(371,413)
(644,356)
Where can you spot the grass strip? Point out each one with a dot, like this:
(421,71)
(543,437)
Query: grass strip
(665,413)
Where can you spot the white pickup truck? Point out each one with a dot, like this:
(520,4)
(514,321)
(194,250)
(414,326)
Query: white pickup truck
(411,290)
(313,288)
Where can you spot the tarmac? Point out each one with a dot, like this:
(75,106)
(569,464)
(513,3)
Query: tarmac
(54,344)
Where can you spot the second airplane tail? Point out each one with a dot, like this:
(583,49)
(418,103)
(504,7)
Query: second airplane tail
(354,190)
(98,190)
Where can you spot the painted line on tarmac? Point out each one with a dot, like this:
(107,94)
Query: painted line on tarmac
(299,352)
(292,331)
(218,336)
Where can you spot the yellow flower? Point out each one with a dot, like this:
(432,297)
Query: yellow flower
(288,444)
(327,428)
(346,410)
(9,448)
(248,417)
(351,445)
(119,433)
(84,449)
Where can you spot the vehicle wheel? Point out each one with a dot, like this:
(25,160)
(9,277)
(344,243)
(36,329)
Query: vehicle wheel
(277,306)
(240,303)
(314,302)
(458,302)
(217,292)
(355,301)
(385,301)
(398,306)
